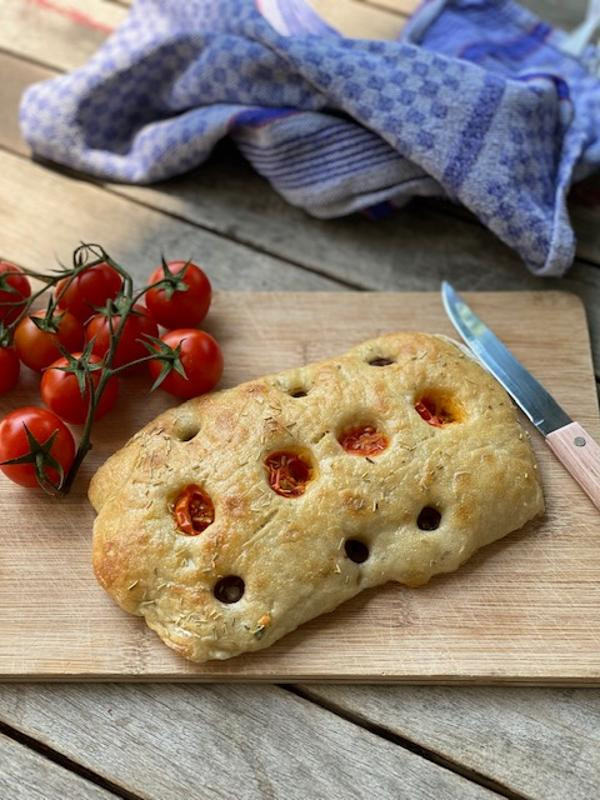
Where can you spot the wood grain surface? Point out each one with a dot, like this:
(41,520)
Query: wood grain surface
(522,610)
(359,20)
(224,743)
(532,743)
(70,210)
(25,775)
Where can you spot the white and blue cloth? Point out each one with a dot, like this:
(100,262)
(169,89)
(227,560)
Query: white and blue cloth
(480,101)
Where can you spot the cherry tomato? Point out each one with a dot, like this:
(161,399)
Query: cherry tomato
(11,277)
(364,440)
(201,358)
(194,510)
(39,348)
(288,473)
(9,369)
(179,308)
(89,290)
(130,346)
(14,443)
(60,391)
(433,413)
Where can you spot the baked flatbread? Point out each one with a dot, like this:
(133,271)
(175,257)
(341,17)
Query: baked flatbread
(234,518)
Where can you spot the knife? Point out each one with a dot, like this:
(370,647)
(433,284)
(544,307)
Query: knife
(568,440)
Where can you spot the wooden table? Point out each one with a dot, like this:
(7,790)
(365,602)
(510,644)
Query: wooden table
(168,742)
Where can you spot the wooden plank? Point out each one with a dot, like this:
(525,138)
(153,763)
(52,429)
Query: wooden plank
(585,216)
(538,743)
(479,624)
(17,75)
(58,211)
(401,7)
(356,20)
(50,25)
(25,775)
(557,12)
(175,742)
(43,30)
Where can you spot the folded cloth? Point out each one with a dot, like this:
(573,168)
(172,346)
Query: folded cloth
(479,102)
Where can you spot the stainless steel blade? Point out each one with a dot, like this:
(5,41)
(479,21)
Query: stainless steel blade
(535,401)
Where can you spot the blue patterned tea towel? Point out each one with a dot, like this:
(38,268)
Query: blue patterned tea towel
(480,101)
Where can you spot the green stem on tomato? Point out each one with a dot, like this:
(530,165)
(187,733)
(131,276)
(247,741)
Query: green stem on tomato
(130,364)
(85,444)
(147,288)
(95,392)
(26,307)
(50,280)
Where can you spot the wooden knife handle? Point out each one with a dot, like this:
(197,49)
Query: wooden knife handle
(580,454)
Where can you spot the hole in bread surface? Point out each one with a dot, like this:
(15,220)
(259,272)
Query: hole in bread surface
(298,392)
(356,550)
(185,430)
(380,361)
(229,589)
(288,472)
(437,409)
(363,440)
(188,435)
(193,510)
(429,519)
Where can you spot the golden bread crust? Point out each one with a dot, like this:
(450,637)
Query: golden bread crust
(478,471)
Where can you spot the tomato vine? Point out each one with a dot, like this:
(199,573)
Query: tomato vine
(172,287)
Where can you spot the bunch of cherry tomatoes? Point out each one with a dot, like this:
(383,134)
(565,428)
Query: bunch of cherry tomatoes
(94,329)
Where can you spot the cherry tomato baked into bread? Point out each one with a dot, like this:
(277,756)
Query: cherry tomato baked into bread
(234,518)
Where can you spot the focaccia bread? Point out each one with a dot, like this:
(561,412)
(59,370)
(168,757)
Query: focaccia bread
(232,519)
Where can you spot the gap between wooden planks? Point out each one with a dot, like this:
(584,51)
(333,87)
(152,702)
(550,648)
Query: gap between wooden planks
(534,743)
(23,768)
(256,743)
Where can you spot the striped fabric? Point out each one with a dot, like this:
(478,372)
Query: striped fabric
(480,102)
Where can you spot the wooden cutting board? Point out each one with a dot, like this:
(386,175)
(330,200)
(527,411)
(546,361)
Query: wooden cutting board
(523,610)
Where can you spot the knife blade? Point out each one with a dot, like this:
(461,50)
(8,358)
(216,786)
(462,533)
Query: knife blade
(567,439)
